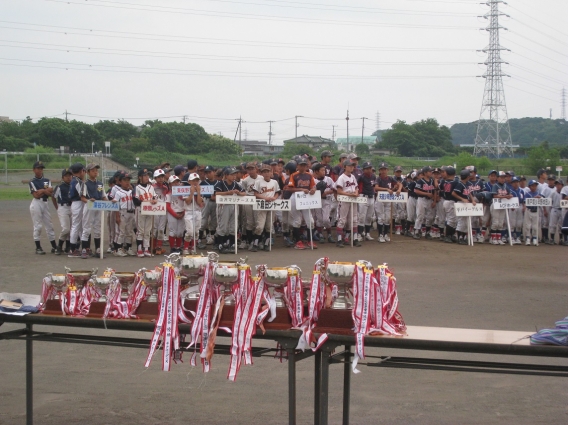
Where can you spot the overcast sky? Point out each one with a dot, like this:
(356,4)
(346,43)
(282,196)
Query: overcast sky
(216,60)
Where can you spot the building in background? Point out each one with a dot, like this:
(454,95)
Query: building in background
(259,148)
(349,145)
(315,142)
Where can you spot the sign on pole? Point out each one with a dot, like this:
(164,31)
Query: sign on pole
(505,204)
(235,200)
(538,202)
(468,210)
(148,208)
(353,199)
(305,201)
(185,190)
(564,204)
(383,196)
(103,206)
(278,205)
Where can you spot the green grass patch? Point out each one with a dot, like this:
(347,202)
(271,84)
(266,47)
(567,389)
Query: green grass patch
(9,193)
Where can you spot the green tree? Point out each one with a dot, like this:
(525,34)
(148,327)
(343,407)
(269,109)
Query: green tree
(292,149)
(362,150)
(55,132)
(118,131)
(542,157)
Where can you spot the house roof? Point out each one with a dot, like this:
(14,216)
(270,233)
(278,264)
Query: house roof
(305,139)
(355,140)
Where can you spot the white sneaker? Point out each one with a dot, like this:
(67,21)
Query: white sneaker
(528,242)
(209,240)
(480,239)
(260,246)
(535,241)
(500,241)
(387,238)
(147,253)
(397,231)
(130,252)
(185,252)
(381,238)
(517,241)
(109,250)
(369,237)
(243,245)
(494,242)
(121,253)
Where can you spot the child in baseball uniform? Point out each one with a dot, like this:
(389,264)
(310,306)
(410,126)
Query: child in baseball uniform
(143,192)
(75,191)
(209,214)
(250,214)
(161,190)
(326,186)
(367,182)
(346,184)
(93,190)
(516,215)
(193,204)
(125,220)
(268,190)
(385,183)
(176,211)
(226,213)
(500,191)
(425,204)
(461,193)
(62,204)
(530,229)
(301,181)
(41,190)
(555,222)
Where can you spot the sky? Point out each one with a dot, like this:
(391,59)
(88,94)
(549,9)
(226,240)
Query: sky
(215,61)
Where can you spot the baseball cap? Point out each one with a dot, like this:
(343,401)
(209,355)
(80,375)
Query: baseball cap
(265,168)
(501,174)
(464,174)
(143,172)
(250,165)
(450,171)
(173,179)
(159,172)
(281,161)
(413,175)
(193,176)
(437,170)
(531,182)
(552,177)
(302,160)
(230,170)
(347,163)
(39,164)
(397,168)
(273,161)
(492,172)
(178,169)
(515,179)
(125,176)
(343,155)
(77,167)
(383,165)
(426,169)
(559,182)
(522,178)
(65,171)
(367,165)
(326,153)
(511,173)
(92,166)
(353,156)
(191,164)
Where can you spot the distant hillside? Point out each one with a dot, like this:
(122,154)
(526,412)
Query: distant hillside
(525,132)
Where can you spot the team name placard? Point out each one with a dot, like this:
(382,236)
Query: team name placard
(468,210)
(353,199)
(185,190)
(538,202)
(147,208)
(386,197)
(278,205)
(236,200)
(305,201)
(103,205)
(505,204)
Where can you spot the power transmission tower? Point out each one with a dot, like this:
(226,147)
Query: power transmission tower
(493,132)
(563,105)
(378,121)
(270,133)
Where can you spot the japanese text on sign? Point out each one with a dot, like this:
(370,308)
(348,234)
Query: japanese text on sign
(185,190)
(505,204)
(103,206)
(564,204)
(146,208)
(305,201)
(354,199)
(538,202)
(468,210)
(278,205)
(386,197)
(237,200)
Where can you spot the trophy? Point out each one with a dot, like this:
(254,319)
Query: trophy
(152,279)
(102,283)
(276,278)
(126,279)
(342,274)
(58,281)
(82,276)
(191,268)
(226,273)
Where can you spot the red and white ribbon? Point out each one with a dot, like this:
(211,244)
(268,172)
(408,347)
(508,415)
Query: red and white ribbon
(70,300)
(48,291)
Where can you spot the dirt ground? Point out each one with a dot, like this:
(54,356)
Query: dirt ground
(488,287)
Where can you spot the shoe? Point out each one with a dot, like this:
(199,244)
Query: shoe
(140,254)
(253,247)
(109,250)
(288,242)
(462,242)
(381,239)
(322,239)
(121,253)
(330,239)
(57,251)
(357,243)
(184,252)
(387,238)
(84,254)
(243,245)
(448,239)
(39,251)
(428,236)
(73,254)
(527,241)
(416,236)
(261,245)
(130,252)
(267,247)
(500,241)
(397,231)
(147,253)
(368,237)
(201,245)
(480,239)
(209,240)
(535,241)
(340,244)
(315,237)
(311,245)
(299,245)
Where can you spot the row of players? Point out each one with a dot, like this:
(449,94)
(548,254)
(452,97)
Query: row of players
(195,220)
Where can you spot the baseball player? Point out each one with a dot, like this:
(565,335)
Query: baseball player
(385,183)
(531,215)
(249,213)
(267,189)
(326,186)
(462,194)
(125,220)
(475,188)
(93,190)
(439,217)
(161,190)
(62,204)
(555,223)
(226,213)
(290,168)
(41,190)
(176,211)
(75,190)
(425,204)
(367,182)
(446,192)
(400,207)
(301,181)
(499,190)
(209,213)
(346,185)
(412,201)
(516,215)
(486,220)
(546,190)
(193,204)
(143,192)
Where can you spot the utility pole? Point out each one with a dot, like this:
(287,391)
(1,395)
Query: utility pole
(347,119)
(184,117)
(378,121)
(297,116)
(550,113)
(563,105)
(246,134)
(333,132)
(493,132)
(363,129)
(66,116)
(270,134)
(239,126)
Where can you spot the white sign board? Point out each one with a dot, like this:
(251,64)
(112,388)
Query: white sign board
(558,169)
(305,201)
(184,190)
(103,205)
(278,205)
(538,202)
(159,208)
(385,197)
(468,210)
(505,204)
(353,199)
(236,200)
(564,204)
